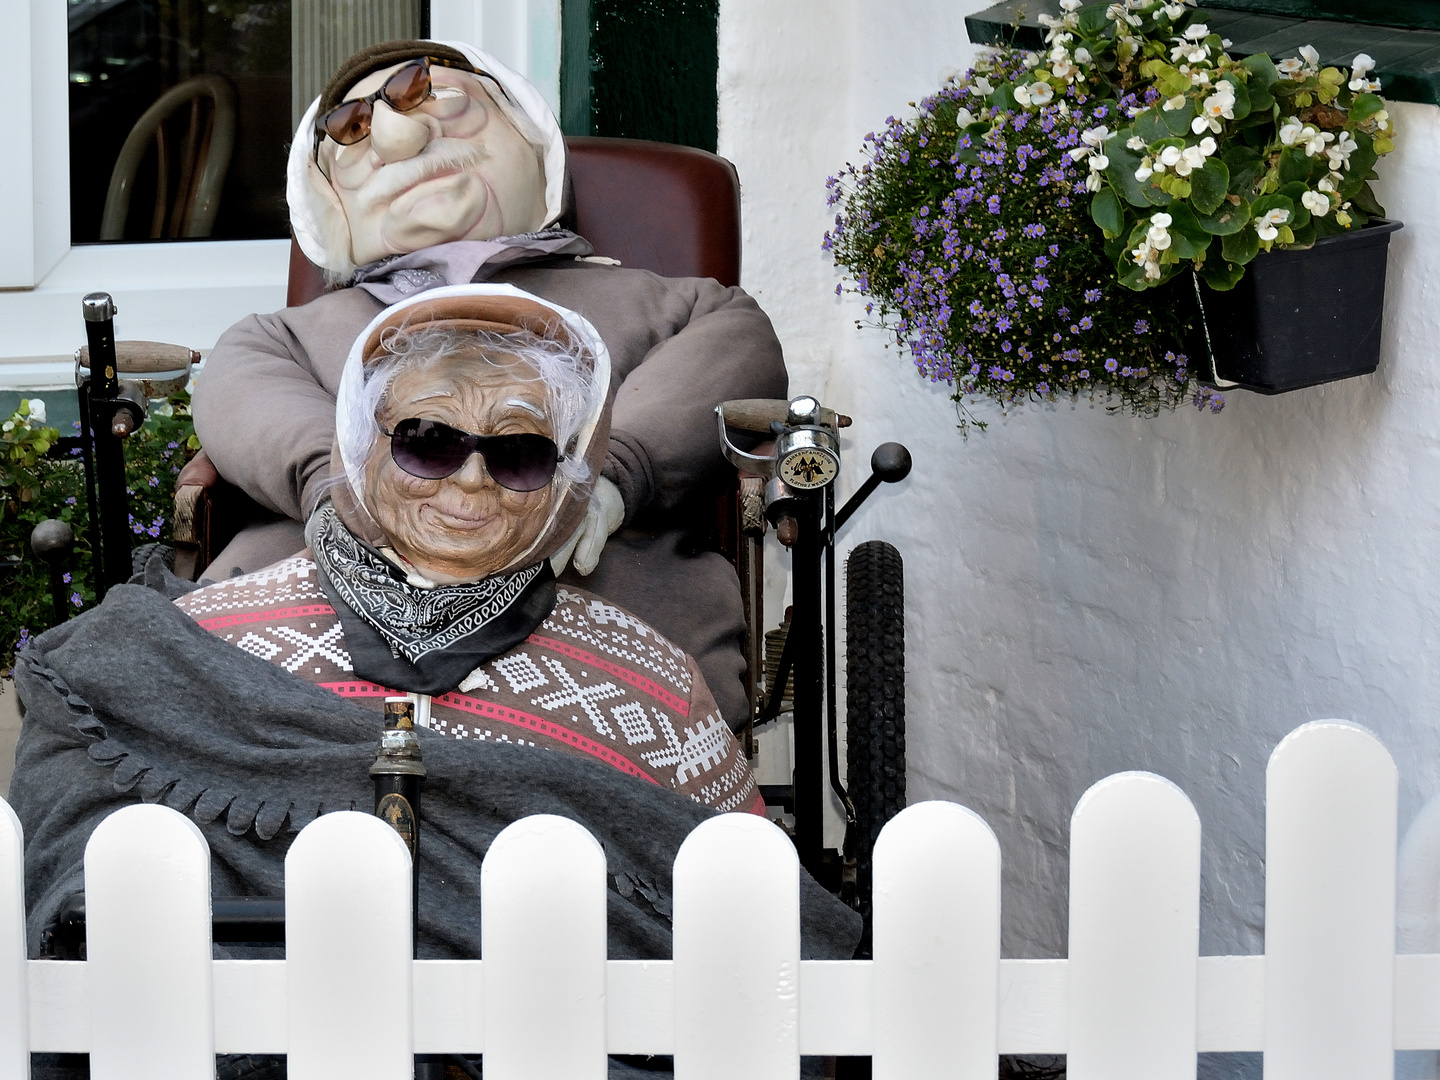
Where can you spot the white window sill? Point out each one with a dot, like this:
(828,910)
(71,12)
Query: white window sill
(185,293)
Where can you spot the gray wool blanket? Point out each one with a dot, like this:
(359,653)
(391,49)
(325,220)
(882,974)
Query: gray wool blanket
(134,702)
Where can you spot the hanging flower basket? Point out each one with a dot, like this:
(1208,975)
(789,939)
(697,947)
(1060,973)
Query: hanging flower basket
(1299,316)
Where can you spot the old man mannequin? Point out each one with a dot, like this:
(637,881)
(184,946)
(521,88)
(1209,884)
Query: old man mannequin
(425,164)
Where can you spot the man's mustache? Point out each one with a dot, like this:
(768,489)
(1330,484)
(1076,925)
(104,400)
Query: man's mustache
(439,157)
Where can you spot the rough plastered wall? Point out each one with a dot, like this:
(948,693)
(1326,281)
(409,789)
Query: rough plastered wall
(1089,593)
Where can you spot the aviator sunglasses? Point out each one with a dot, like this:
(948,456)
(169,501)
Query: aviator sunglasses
(405,91)
(432,451)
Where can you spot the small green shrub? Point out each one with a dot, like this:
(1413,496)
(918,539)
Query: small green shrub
(40,481)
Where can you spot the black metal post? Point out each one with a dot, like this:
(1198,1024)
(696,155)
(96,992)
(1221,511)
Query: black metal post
(806,641)
(98,413)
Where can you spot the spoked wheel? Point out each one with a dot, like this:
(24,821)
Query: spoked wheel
(874,698)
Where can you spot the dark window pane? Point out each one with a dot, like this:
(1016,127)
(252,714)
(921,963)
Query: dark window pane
(227,66)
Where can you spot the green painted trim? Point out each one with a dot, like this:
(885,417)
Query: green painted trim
(1407,61)
(1411,14)
(576,115)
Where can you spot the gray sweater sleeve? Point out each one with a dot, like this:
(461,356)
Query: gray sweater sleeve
(265,402)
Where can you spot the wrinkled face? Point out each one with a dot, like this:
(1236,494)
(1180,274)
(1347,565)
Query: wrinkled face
(464,526)
(453,169)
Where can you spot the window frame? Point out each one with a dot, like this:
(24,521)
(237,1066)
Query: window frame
(190,291)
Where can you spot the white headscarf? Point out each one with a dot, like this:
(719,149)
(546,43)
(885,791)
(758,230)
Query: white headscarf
(354,430)
(316,216)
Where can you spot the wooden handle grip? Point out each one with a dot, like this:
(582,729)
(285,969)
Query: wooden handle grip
(146,357)
(756,414)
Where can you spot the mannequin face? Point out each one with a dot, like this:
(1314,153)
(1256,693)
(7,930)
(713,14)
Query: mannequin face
(464,526)
(453,169)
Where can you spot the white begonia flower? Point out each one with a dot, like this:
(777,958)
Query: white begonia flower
(1041,93)
(1314,141)
(1169,157)
(1312,58)
(1064,69)
(1199,77)
(9,425)
(981,85)
(1339,154)
(37,410)
(1119,13)
(964,118)
(1316,203)
(1208,146)
(1198,32)
(1147,257)
(1082,55)
(1145,171)
(1095,136)
(1172,11)
(1360,68)
(1326,184)
(1070,5)
(1022,95)
(1158,234)
(1176,102)
(1135,142)
(1191,158)
(1381,120)
(1032,59)
(1099,163)
(1289,67)
(1290,130)
(1200,124)
(1266,225)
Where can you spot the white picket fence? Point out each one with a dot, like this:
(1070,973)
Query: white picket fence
(1329,1000)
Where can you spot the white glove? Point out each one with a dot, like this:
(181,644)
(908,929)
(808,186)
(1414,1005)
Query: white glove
(602,517)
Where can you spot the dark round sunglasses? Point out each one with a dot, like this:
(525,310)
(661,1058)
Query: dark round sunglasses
(405,91)
(432,451)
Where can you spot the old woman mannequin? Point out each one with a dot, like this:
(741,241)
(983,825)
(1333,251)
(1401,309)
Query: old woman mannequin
(471,424)
(425,164)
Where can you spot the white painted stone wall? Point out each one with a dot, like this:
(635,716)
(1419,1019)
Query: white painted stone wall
(1087,592)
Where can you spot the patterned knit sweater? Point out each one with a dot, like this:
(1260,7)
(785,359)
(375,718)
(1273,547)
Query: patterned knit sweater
(591,680)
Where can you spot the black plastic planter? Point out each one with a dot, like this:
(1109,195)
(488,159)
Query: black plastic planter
(1300,317)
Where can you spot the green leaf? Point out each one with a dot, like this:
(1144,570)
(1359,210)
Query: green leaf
(1208,186)
(1178,120)
(1263,78)
(1366,201)
(1004,98)
(1294,165)
(1239,248)
(1304,234)
(1365,106)
(1242,97)
(1221,275)
(1227,220)
(1093,22)
(1134,278)
(1150,127)
(1106,211)
(1121,173)
(1363,157)
(1246,167)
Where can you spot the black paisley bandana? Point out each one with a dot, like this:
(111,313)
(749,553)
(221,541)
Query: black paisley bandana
(415,639)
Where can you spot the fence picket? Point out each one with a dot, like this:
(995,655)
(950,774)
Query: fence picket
(1330,848)
(14,976)
(1134,931)
(348,951)
(737,952)
(542,932)
(147,893)
(937,945)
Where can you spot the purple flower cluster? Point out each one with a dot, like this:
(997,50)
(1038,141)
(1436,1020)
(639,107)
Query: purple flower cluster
(980,262)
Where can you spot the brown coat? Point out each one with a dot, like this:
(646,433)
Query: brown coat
(265,412)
